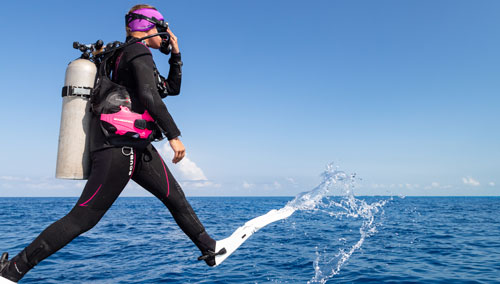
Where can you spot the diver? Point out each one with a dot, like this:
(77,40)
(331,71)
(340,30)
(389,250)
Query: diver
(115,163)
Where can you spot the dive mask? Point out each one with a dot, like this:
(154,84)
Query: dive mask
(147,18)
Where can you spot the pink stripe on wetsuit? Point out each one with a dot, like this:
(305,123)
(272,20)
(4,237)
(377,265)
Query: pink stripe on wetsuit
(85,203)
(166,176)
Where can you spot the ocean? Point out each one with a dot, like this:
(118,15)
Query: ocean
(341,239)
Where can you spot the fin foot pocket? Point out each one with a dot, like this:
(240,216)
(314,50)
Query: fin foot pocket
(4,259)
(4,262)
(209,256)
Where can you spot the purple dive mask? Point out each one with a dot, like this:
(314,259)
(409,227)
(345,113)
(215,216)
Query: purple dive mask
(145,19)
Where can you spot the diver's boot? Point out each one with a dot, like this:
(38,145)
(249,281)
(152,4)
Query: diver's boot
(4,264)
(209,256)
(208,248)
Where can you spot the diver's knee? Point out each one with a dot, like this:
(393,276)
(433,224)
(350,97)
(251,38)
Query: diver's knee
(81,220)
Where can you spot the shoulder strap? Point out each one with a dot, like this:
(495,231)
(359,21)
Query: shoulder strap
(117,63)
(103,58)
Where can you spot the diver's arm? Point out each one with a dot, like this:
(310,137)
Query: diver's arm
(173,81)
(142,68)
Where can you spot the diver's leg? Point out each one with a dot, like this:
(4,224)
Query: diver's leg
(109,175)
(153,174)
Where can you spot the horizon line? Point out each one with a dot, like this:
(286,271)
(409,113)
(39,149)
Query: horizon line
(262,196)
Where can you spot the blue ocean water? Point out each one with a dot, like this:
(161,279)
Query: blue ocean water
(416,240)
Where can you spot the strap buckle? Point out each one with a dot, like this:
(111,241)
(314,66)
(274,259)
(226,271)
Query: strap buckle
(130,149)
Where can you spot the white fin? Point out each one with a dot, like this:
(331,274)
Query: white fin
(233,242)
(5,281)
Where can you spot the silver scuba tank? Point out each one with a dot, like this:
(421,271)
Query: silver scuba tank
(73,154)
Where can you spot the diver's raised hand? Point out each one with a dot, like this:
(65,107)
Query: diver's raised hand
(173,41)
(179,150)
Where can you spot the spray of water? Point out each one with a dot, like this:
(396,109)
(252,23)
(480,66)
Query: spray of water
(336,182)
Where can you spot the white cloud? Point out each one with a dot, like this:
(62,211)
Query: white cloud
(190,170)
(406,185)
(187,168)
(436,184)
(46,185)
(13,178)
(190,174)
(263,185)
(43,183)
(412,186)
(248,185)
(80,184)
(491,183)
(470,181)
(9,178)
(199,184)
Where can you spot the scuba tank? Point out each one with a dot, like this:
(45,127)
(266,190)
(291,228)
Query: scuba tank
(73,154)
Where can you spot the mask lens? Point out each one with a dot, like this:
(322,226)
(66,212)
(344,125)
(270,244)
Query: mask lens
(163,30)
(165,37)
(162,26)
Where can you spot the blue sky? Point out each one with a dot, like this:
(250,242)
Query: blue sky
(402,93)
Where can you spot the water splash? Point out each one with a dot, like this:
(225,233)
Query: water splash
(336,182)
(318,199)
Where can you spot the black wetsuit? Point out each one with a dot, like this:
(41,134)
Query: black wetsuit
(114,166)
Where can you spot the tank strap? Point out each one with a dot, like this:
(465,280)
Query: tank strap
(73,91)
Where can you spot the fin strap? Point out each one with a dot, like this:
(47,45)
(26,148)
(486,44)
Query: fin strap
(4,262)
(211,253)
